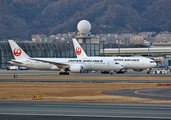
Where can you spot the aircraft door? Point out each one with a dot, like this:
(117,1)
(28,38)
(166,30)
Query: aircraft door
(143,62)
(28,64)
(128,64)
(90,64)
(108,63)
(31,64)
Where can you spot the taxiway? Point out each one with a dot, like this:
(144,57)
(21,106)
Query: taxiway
(91,111)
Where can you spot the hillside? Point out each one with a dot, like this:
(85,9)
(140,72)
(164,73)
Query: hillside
(19,19)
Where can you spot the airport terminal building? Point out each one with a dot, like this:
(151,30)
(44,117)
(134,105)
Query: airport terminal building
(162,51)
(45,50)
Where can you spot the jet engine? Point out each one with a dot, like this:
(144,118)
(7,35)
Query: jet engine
(76,69)
(138,70)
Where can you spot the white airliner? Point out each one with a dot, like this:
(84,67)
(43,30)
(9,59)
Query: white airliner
(135,63)
(75,65)
(22,59)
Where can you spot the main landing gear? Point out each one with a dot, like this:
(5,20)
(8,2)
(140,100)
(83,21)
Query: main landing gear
(64,73)
(104,72)
(120,72)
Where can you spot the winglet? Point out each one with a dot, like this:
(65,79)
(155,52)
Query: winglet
(78,49)
(17,51)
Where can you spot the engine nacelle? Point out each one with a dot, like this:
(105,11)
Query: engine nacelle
(138,70)
(76,69)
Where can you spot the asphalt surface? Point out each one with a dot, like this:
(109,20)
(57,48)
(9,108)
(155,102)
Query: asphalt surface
(56,73)
(74,110)
(84,80)
(155,93)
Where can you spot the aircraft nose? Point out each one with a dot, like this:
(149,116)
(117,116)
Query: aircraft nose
(155,64)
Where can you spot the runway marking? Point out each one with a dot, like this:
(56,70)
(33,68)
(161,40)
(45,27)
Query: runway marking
(85,106)
(137,92)
(98,116)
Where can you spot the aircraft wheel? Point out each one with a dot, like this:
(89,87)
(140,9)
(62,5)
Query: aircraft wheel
(120,72)
(60,73)
(64,73)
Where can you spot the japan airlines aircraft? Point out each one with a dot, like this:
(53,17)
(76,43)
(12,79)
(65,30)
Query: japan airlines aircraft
(23,60)
(135,63)
(75,65)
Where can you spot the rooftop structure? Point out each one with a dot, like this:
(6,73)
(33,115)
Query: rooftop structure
(137,51)
(84,34)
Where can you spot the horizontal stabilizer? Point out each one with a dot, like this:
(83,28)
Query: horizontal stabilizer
(16,61)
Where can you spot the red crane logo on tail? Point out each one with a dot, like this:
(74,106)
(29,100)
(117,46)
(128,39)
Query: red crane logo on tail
(78,50)
(17,52)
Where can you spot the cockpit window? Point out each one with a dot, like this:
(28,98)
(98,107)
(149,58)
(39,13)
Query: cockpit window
(116,63)
(152,62)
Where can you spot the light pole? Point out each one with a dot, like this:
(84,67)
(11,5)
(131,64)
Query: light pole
(148,49)
(118,47)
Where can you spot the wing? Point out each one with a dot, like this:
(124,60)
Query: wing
(52,61)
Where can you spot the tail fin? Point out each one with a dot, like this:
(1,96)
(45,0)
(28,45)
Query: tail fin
(17,51)
(78,49)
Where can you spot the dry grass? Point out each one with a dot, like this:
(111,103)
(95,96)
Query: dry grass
(69,91)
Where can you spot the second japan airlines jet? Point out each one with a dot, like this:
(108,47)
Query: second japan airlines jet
(135,63)
(75,65)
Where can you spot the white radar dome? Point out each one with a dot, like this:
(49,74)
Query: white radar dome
(84,26)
